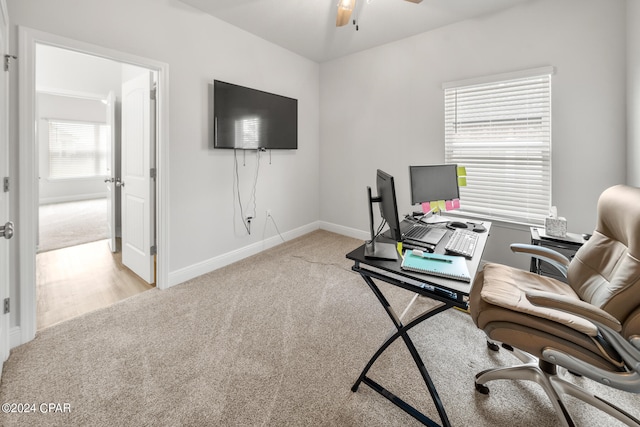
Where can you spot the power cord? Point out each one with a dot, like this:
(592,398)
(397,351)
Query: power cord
(274,224)
(378,231)
(342,267)
(246,220)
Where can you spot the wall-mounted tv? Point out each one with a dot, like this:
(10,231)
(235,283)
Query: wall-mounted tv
(250,119)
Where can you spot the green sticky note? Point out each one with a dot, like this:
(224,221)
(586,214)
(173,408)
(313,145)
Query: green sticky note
(442,205)
(462,171)
(462,181)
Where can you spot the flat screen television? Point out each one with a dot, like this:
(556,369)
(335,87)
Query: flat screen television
(250,119)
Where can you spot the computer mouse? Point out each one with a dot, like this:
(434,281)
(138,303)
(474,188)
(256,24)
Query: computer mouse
(456,224)
(479,228)
(586,236)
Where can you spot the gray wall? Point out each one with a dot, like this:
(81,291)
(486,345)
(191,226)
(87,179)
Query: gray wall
(633,92)
(383,108)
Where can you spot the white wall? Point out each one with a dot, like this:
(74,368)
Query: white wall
(383,108)
(71,73)
(633,92)
(197,49)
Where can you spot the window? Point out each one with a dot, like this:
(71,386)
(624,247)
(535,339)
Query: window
(77,149)
(500,129)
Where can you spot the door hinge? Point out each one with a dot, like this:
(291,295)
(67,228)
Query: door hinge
(6,305)
(153,94)
(154,250)
(152,173)
(7,61)
(5,184)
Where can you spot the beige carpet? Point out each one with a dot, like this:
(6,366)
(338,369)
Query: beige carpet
(274,340)
(73,223)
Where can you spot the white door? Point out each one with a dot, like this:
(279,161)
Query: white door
(136,183)
(111,171)
(5,227)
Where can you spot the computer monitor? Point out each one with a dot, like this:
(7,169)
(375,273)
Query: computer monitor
(389,211)
(431,183)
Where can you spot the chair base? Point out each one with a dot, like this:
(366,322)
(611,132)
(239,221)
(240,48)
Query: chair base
(545,374)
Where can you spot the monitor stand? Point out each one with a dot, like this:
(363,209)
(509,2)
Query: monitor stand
(373,249)
(380,250)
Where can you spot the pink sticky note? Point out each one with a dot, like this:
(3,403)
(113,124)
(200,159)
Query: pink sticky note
(449,204)
(426,207)
(456,203)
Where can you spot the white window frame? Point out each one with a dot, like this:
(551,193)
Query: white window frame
(499,128)
(95,150)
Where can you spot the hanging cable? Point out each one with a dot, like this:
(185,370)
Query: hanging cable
(236,191)
(255,182)
(246,220)
(379,230)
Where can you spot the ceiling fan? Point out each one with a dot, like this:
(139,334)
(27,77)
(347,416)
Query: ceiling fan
(345,7)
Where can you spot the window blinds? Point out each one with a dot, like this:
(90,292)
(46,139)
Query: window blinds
(77,149)
(501,132)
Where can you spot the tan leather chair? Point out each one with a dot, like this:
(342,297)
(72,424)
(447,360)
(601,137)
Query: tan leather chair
(590,326)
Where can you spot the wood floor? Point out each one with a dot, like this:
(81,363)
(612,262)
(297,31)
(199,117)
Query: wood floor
(79,279)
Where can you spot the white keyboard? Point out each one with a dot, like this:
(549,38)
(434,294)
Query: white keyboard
(462,242)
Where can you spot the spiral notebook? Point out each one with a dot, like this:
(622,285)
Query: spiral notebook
(451,267)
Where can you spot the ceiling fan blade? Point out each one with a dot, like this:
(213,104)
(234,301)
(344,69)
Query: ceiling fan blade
(345,7)
(415,1)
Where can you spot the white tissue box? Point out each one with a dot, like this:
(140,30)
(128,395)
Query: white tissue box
(556,227)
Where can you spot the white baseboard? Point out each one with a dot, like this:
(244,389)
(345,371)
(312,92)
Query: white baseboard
(203,267)
(345,231)
(15,337)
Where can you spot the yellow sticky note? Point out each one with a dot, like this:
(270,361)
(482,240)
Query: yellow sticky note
(462,171)
(442,205)
(462,181)
(399,248)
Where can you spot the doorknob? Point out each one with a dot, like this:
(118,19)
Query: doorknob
(119,183)
(107,180)
(6,230)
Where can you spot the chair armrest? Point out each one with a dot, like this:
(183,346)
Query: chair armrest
(555,258)
(627,380)
(609,328)
(574,306)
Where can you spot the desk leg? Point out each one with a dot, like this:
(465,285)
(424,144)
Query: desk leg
(402,331)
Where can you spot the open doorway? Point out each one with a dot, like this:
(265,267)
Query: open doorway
(79,262)
(23,320)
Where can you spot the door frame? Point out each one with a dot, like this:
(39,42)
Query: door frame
(5,213)
(28,197)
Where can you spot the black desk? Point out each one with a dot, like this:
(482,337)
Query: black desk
(451,293)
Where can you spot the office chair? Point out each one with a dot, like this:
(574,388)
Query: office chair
(590,326)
